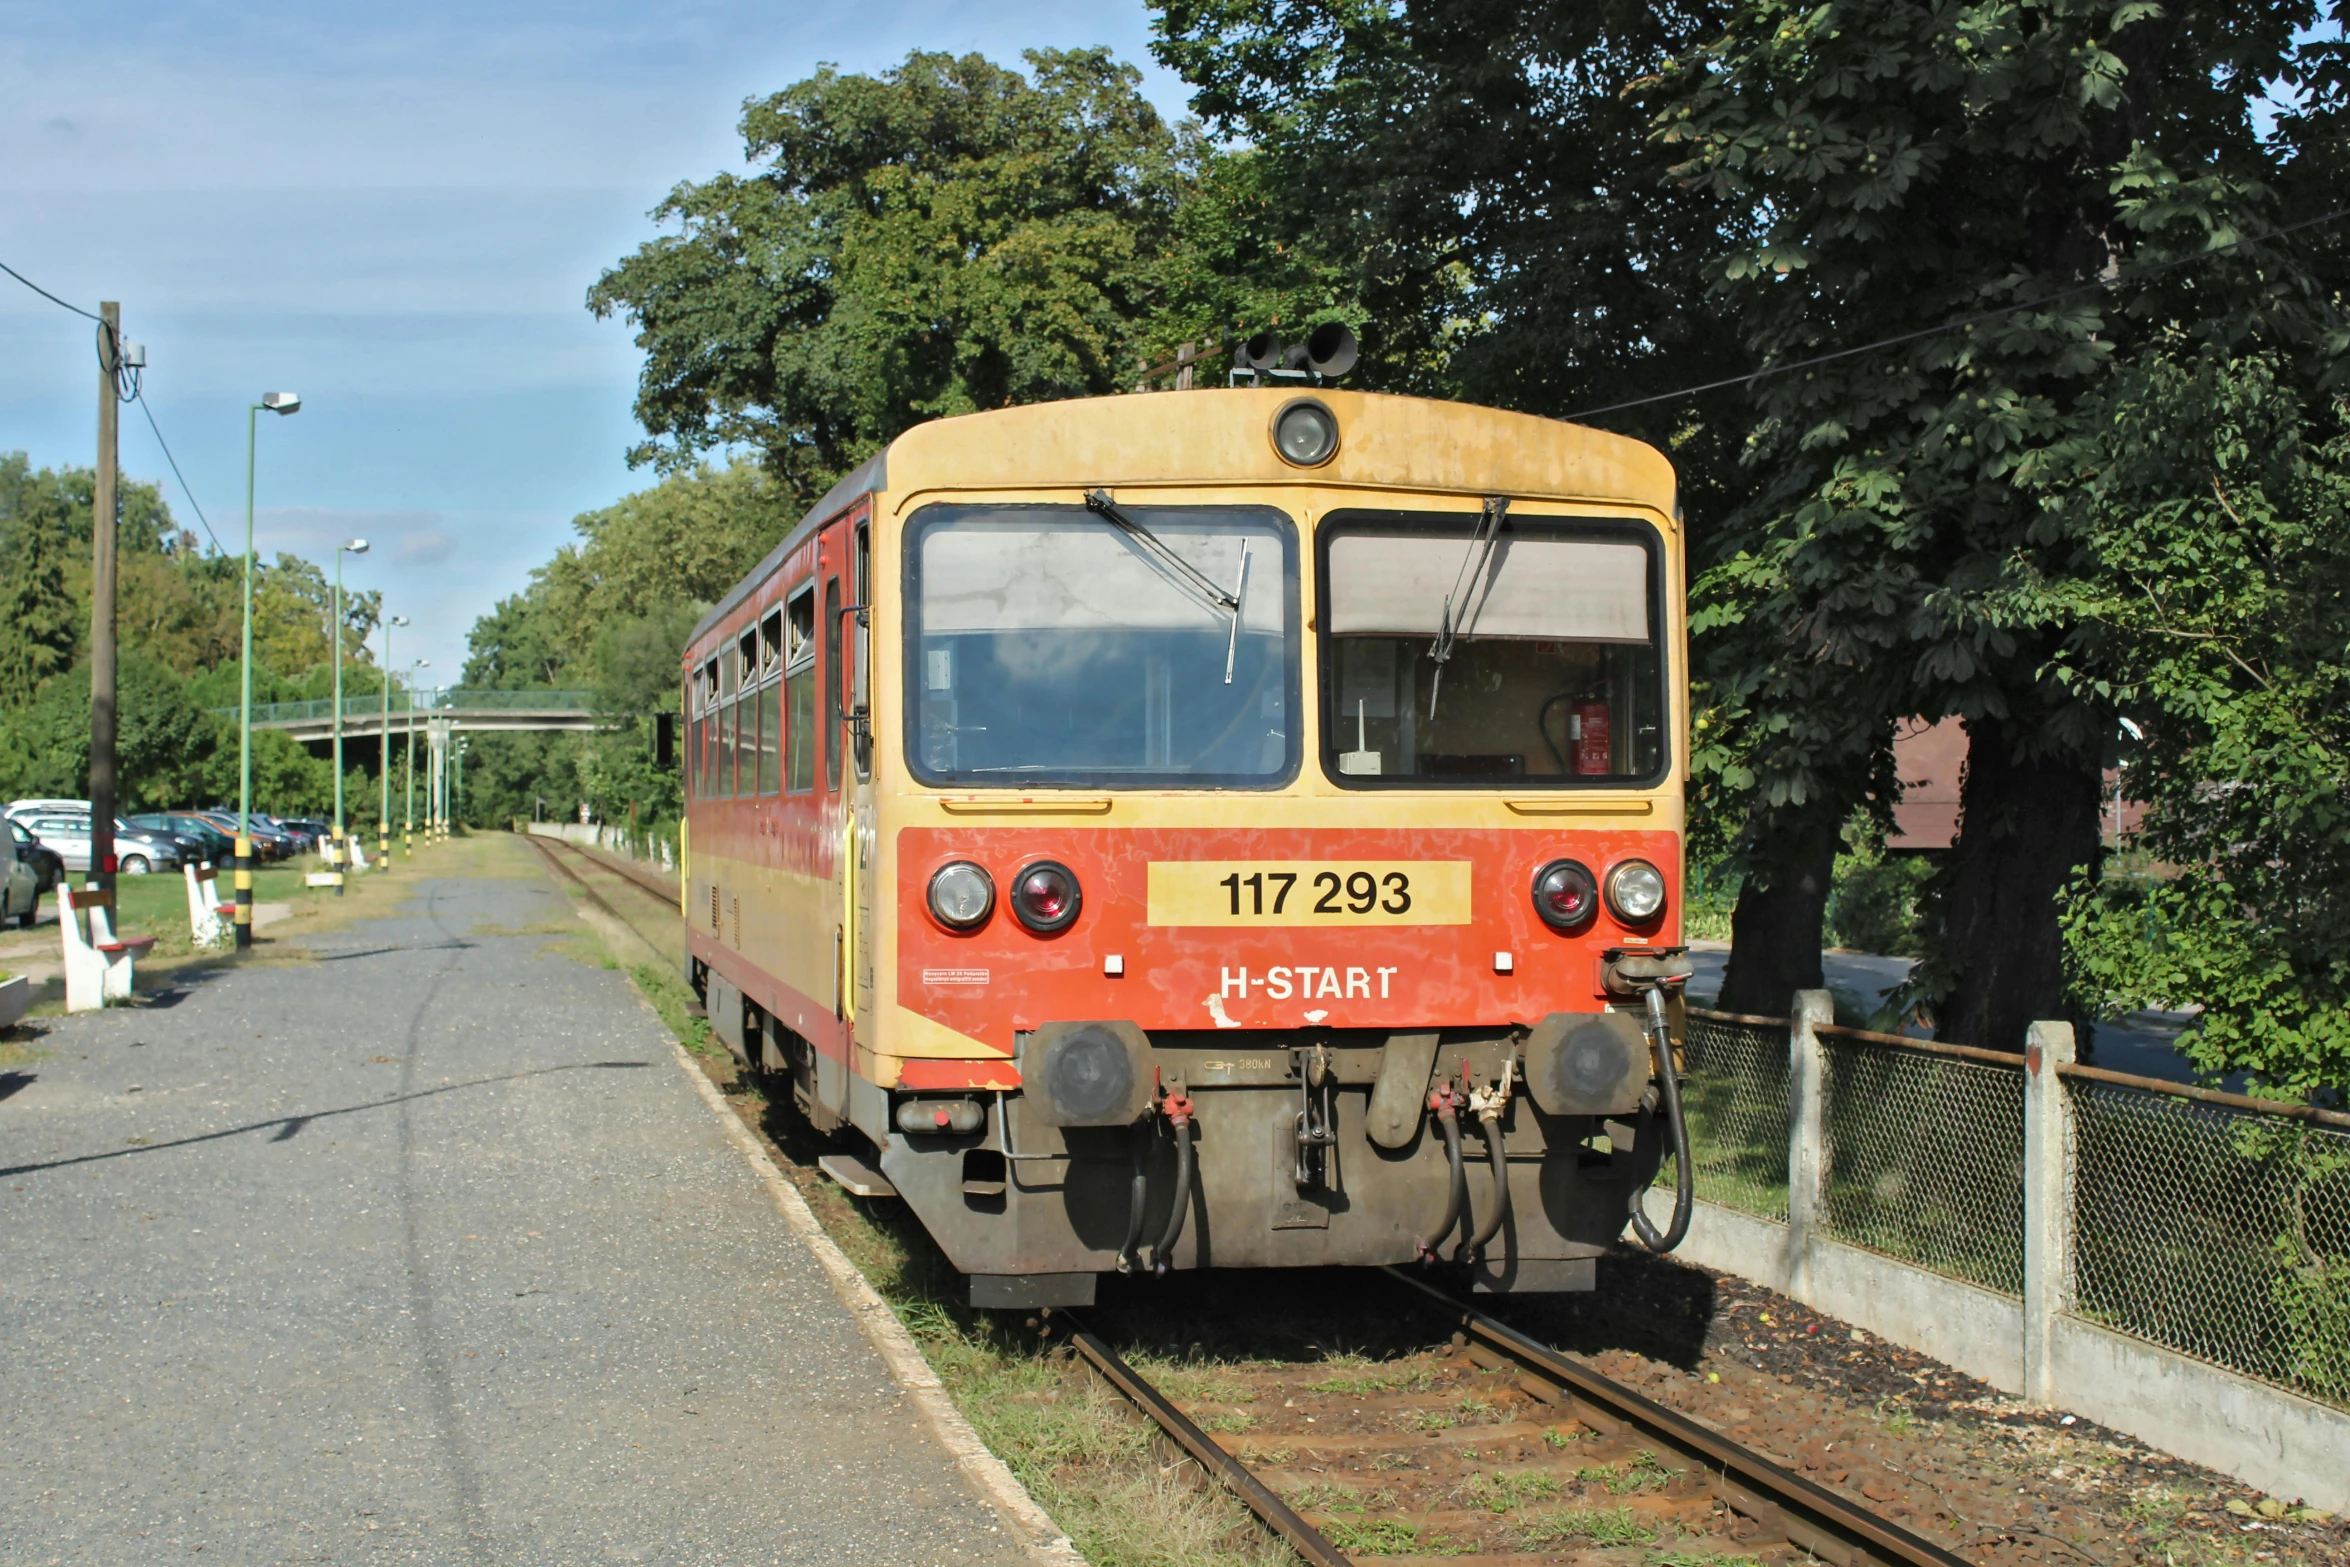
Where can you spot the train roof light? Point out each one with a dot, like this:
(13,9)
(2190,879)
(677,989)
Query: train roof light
(1305,432)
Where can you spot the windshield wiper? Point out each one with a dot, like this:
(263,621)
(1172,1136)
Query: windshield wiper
(1482,538)
(1099,502)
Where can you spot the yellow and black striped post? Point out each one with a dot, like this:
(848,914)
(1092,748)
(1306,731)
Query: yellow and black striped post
(383,845)
(244,873)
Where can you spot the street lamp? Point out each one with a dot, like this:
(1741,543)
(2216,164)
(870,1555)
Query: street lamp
(342,838)
(408,824)
(383,750)
(276,403)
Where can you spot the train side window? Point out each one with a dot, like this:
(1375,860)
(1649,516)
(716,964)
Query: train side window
(746,739)
(705,725)
(771,703)
(861,652)
(729,687)
(832,619)
(799,691)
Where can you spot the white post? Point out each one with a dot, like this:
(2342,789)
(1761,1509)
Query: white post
(2047,1203)
(1807,1133)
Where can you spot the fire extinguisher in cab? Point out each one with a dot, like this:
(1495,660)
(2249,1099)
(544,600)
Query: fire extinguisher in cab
(1587,737)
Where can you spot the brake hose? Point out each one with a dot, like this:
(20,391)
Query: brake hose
(1178,1108)
(1660,1047)
(1446,1105)
(1490,1103)
(1138,1193)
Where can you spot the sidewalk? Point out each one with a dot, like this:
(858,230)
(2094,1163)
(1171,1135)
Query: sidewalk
(425,1251)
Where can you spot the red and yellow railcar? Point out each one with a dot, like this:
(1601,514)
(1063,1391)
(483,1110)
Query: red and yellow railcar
(1225,828)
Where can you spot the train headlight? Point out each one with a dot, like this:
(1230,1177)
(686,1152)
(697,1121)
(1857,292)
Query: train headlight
(1045,896)
(961,895)
(1565,895)
(1305,432)
(1636,892)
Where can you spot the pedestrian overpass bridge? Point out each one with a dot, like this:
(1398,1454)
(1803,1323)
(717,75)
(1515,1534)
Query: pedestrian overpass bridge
(454,710)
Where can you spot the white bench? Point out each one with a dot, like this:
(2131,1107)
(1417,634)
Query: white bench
(210,921)
(97,965)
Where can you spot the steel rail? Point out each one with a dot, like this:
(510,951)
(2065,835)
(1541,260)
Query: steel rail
(1303,1537)
(556,862)
(1751,1483)
(643,880)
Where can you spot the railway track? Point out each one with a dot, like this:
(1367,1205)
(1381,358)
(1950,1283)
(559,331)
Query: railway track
(1565,1460)
(560,856)
(1561,1460)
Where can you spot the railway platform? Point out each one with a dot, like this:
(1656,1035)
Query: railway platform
(419,1245)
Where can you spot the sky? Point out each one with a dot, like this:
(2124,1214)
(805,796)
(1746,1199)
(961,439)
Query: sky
(396,212)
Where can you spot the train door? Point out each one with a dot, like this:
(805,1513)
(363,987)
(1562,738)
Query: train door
(847,789)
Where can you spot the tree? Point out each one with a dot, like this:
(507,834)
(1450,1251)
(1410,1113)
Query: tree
(2219,507)
(945,237)
(37,632)
(1915,163)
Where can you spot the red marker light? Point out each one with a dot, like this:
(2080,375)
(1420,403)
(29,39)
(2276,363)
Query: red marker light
(1045,897)
(1565,895)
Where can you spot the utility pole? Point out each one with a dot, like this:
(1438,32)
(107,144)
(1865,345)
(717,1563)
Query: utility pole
(102,504)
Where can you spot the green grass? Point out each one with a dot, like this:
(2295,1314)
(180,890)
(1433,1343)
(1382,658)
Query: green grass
(1373,1536)
(1411,1379)
(1600,1526)
(1503,1493)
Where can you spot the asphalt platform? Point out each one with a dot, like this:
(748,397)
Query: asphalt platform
(425,1251)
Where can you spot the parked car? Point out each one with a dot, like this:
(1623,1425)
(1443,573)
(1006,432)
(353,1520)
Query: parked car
(204,841)
(270,842)
(301,838)
(44,860)
(136,850)
(20,881)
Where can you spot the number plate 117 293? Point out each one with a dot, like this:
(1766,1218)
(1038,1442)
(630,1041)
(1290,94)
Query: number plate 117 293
(1309,892)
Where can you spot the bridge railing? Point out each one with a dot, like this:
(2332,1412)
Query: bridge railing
(443,702)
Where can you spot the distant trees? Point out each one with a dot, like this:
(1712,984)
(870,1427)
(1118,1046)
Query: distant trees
(179,617)
(944,237)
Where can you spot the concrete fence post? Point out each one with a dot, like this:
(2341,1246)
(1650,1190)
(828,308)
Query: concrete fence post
(1807,1133)
(2048,1218)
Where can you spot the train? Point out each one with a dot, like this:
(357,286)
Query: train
(1229,827)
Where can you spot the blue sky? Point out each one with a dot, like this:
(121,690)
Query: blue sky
(394,211)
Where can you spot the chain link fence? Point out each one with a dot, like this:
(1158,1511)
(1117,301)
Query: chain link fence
(1925,1156)
(2221,1233)
(1736,1106)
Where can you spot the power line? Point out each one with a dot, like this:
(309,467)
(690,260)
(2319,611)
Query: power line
(44,293)
(2147,269)
(141,400)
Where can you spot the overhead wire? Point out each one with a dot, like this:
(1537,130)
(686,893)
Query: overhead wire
(144,408)
(2130,274)
(45,294)
(129,386)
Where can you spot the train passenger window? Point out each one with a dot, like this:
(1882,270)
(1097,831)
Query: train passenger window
(746,738)
(771,703)
(1529,653)
(705,729)
(728,688)
(799,692)
(861,653)
(1046,644)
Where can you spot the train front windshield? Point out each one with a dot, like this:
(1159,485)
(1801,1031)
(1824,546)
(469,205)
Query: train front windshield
(1460,652)
(1047,644)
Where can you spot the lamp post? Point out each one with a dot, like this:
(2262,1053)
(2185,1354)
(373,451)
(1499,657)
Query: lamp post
(383,752)
(408,822)
(457,785)
(342,837)
(276,403)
